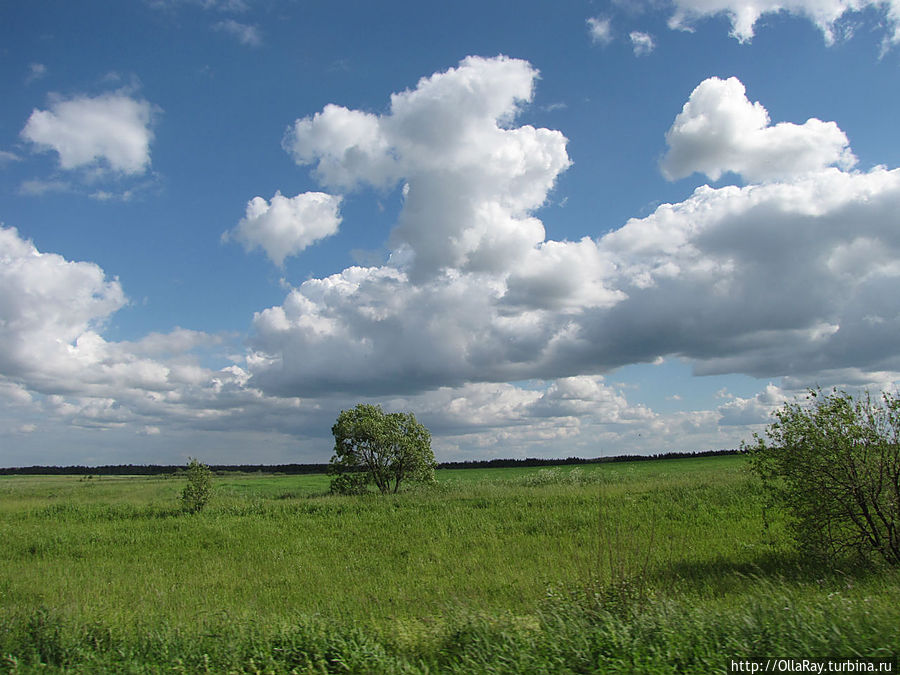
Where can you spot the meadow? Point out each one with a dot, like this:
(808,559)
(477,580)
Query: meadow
(664,566)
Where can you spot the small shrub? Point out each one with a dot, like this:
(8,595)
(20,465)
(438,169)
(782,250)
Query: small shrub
(350,484)
(197,492)
(835,465)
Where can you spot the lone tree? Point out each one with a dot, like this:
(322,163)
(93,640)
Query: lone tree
(835,465)
(371,446)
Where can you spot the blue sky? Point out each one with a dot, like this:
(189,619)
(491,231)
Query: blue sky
(581,228)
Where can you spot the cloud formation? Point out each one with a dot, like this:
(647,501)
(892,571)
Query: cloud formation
(56,364)
(641,43)
(110,131)
(600,30)
(744,14)
(246,34)
(35,72)
(734,279)
(720,130)
(471,178)
(285,226)
(790,276)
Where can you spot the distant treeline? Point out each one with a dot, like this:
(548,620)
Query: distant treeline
(162,469)
(535,461)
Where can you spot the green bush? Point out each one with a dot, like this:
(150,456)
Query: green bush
(350,484)
(197,492)
(835,465)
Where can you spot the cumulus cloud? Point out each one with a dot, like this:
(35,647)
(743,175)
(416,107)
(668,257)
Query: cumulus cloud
(471,178)
(111,131)
(52,313)
(641,43)
(246,34)
(720,130)
(825,14)
(285,226)
(735,279)
(600,30)
(754,279)
(754,410)
(790,276)
(47,303)
(55,361)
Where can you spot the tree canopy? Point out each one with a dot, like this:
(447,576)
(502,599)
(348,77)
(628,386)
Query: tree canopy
(371,446)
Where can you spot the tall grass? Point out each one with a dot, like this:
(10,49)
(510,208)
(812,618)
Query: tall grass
(655,566)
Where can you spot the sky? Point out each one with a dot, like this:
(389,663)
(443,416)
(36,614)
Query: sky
(547,229)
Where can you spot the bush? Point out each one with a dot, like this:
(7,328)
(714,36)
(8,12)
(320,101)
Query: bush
(835,465)
(199,487)
(350,484)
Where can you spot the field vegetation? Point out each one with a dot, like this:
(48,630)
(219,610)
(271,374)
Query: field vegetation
(656,566)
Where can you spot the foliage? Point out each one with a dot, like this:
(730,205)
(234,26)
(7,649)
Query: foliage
(197,492)
(384,448)
(350,483)
(835,464)
(568,633)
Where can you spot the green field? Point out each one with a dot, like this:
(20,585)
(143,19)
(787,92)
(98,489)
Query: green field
(653,566)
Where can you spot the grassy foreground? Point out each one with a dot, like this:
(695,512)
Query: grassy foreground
(662,566)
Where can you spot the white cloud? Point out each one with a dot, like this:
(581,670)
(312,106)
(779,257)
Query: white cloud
(108,196)
(641,43)
(471,178)
(244,33)
(53,357)
(734,279)
(760,280)
(561,276)
(790,278)
(177,341)
(600,30)
(47,303)
(720,130)
(111,131)
(744,14)
(347,146)
(35,72)
(752,411)
(52,312)
(287,225)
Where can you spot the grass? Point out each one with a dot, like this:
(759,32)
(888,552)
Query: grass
(657,566)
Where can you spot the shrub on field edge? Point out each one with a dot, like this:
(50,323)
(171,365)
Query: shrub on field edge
(196,493)
(835,465)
